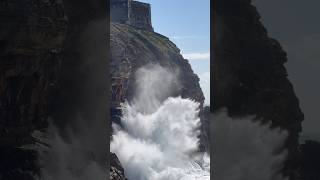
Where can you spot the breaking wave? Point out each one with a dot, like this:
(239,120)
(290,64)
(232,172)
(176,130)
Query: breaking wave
(161,144)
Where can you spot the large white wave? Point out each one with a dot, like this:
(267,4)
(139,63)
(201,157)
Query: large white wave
(160,142)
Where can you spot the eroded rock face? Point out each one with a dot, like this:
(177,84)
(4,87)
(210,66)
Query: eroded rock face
(249,76)
(41,68)
(43,57)
(31,38)
(116,169)
(143,48)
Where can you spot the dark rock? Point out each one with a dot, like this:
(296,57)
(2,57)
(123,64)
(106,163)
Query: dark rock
(44,70)
(205,129)
(249,76)
(44,63)
(116,169)
(31,38)
(310,151)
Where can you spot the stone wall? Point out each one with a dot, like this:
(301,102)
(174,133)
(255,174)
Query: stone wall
(120,10)
(131,12)
(140,16)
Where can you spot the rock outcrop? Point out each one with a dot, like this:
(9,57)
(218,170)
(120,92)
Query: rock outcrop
(43,56)
(31,39)
(116,169)
(52,65)
(249,76)
(142,48)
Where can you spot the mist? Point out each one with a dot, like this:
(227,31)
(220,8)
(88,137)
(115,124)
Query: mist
(159,138)
(77,138)
(153,85)
(243,149)
(71,159)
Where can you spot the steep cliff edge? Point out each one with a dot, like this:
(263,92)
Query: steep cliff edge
(142,48)
(249,76)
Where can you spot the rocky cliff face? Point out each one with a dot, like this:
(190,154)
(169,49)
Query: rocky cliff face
(142,48)
(52,65)
(249,76)
(116,169)
(43,54)
(31,38)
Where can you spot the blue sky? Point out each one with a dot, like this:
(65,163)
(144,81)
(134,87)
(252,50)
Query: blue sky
(187,24)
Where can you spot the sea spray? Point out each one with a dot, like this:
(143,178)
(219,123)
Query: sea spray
(68,158)
(77,107)
(161,145)
(159,138)
(153,85)
(244,149)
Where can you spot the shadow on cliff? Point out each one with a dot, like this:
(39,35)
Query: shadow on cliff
(79,107)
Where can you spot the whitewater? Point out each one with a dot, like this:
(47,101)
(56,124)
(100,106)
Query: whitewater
(158,139)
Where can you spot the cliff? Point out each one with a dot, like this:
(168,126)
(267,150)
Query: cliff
(144,47)
(31,39)
(116,169)
(44,50)
(249,76)
(53,60)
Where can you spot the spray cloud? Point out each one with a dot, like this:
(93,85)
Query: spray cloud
(159,136)
(69,159)
(246,150)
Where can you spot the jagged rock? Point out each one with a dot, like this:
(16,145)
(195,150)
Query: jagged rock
(249,76)
(116,169)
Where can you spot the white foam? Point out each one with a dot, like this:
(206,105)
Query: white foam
(160,144)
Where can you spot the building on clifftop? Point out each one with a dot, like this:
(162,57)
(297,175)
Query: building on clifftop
(134,13)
